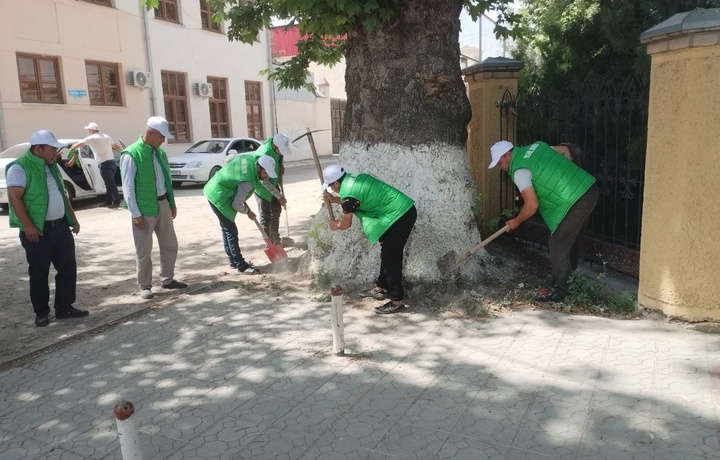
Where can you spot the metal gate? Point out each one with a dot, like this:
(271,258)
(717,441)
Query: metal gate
(608,121)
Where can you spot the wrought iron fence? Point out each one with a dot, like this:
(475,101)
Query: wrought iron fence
(607,120)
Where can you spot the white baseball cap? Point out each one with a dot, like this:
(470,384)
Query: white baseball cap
(268,164)
(282,142)
(160,125)
(331,174)
(498,150)
(45,137)
(94,126)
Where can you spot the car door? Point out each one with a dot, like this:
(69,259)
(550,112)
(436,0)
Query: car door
(92,170)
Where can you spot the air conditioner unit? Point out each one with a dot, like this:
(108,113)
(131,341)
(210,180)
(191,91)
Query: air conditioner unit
(203,89)
(139,79)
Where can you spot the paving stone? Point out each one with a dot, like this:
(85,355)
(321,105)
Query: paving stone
(276,444)
(325,449)
(464,448)
(412,442)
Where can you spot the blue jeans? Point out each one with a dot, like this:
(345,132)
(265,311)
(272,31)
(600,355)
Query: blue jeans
(56,247)
(230,239)
(107,172)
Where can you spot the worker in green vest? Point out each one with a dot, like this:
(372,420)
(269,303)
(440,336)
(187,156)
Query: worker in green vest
(387,215)
(227,192)
(563,193)
(42,212)
(268,197)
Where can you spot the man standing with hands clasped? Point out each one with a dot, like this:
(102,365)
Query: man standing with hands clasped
(102,145)
(40,209)
(563,193)
(148,193)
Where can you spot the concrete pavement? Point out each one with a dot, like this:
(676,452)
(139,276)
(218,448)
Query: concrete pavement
(233,373)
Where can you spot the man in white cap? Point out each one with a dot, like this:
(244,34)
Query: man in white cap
(270,199)
(387,215)
(227,192)
(563,193)
(102,146)
(40,209)
(148,194)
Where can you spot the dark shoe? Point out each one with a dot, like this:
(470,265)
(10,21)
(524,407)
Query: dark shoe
(42,320)
(375,293)
(287,242)
(114,206)
(175,284)
(71,312)
(553,295)
(248,269)
(390,308)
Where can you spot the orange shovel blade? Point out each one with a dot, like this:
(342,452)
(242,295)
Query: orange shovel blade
(274,252)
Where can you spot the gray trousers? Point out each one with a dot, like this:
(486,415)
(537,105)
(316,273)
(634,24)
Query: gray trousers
(564,243)
(270,217)
(162,226)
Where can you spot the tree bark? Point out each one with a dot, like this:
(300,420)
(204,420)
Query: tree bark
(406,124)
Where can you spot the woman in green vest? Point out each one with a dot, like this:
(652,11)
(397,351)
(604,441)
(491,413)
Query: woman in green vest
(386,215)
(563,193)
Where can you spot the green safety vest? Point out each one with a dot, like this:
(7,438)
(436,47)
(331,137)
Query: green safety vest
(558,182)
(36,196)
(145,188)
(380,204)
(222,187)
(267,149)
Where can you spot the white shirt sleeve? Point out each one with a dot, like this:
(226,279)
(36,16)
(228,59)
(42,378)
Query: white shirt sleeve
(128,168)
(243,189)
(522,178)
(16,176)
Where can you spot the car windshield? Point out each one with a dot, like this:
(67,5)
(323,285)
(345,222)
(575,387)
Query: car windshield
(210,146)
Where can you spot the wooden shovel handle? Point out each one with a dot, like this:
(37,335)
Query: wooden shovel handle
(480,245)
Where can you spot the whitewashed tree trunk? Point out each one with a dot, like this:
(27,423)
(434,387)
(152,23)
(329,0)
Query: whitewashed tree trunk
(406,124)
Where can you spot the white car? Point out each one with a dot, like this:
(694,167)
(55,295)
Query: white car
(201,161)
(80,181)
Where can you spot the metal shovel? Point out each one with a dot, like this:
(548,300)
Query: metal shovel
(275,252)
(450,264)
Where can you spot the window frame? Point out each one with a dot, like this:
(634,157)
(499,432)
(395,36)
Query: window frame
(255,123)
(173,101)
(206,15)
(38,78)
(103,86)
(161,11)
(219,105)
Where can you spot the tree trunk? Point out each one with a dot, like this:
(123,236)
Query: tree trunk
(405,124)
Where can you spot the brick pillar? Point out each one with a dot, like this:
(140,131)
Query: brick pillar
(680,248)
(487,82)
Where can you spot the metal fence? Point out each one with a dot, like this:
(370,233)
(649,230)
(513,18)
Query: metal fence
(607,120)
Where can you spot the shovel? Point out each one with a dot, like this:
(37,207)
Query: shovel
(450,264)
(275,252)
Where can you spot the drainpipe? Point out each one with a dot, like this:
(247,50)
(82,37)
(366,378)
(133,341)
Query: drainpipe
(3,139)
(148,53)
(273,108)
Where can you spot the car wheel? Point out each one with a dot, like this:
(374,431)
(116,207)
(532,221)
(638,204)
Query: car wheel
(69,191)
(213,172)
(177,183)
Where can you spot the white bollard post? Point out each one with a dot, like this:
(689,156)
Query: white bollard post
(336,315)
(127,431)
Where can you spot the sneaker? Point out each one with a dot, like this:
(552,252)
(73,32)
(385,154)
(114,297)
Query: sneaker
(175,284)
(41,320)
(146,293)
(375,293)
(553,295)
(389,308)
(71,312)
(114,206)
(248,270)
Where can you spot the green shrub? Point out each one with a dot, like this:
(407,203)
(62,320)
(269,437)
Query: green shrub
(587,292)
(625,302)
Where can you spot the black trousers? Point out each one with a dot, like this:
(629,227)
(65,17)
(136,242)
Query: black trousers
(270,217)
(107,172)
(564,243)
(392,244)
(56,247)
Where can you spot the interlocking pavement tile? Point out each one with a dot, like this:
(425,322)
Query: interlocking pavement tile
(463,448)
(493,419)
(263,409)
(98,441)
(276,444)
(696,436)
(325,449)
(295,385)
(663,454)
(447,393)
(23,418)
(21,448)
(308,418)
(412,442)
(391,397)
(186,423)
(194,452)
(608,451)
(359,430)
(229,435)
(432,415)
(155,446)
(343,390)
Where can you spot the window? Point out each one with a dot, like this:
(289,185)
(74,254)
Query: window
(253,102)
(219,119)
(167,10)
(206,14)
(176,105)
(39,79)
(103,83)
(100,2)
